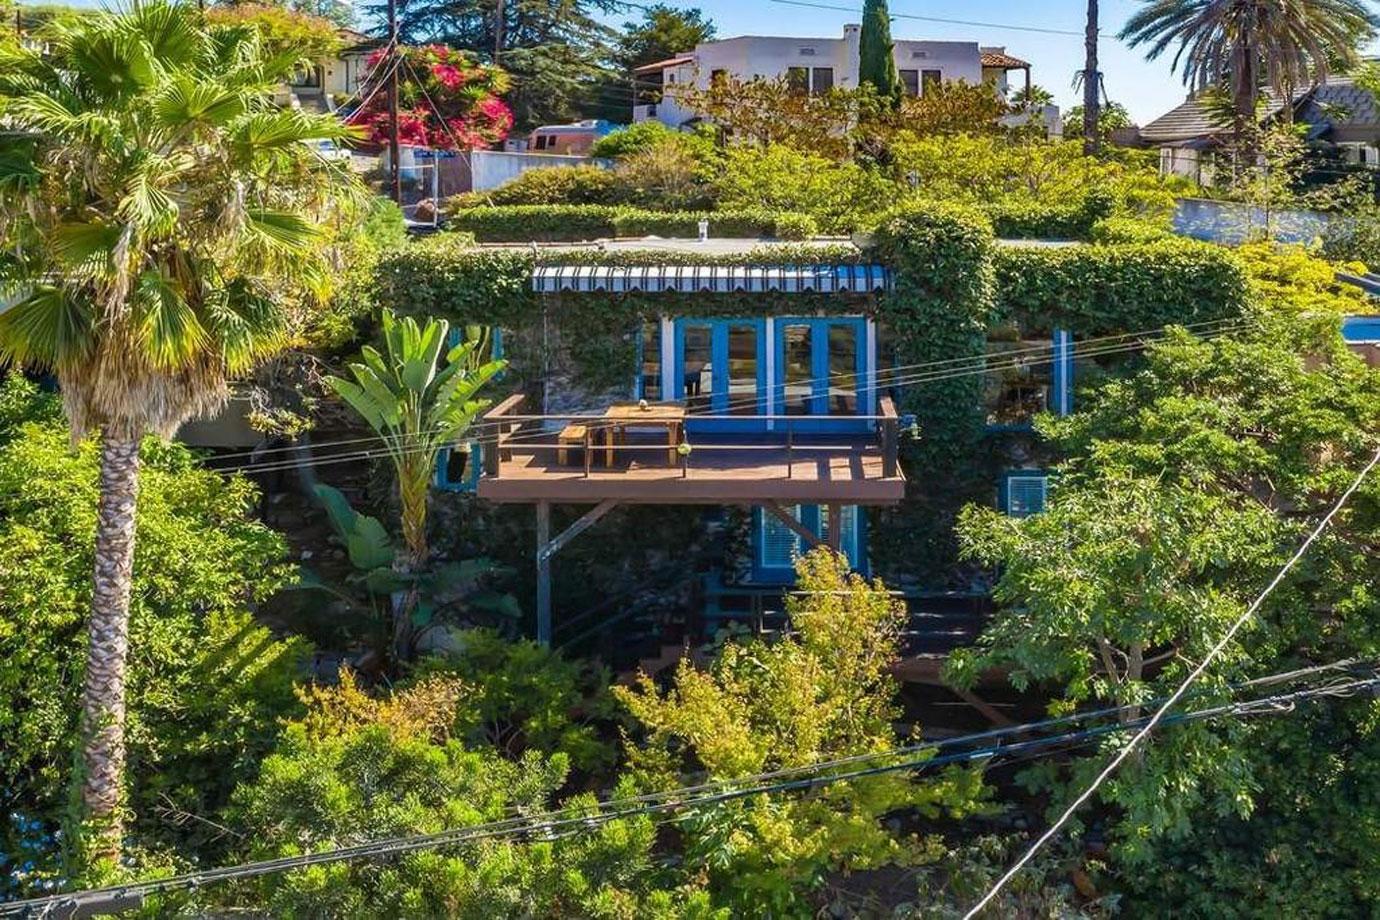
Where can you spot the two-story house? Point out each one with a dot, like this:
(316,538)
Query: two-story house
(813,65)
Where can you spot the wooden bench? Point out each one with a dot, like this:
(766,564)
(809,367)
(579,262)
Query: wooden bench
(571,436)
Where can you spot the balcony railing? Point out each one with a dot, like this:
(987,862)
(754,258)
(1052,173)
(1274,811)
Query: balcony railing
(624,453)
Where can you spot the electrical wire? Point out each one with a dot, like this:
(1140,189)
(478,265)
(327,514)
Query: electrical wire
(1154,720)
(579,819)
(894,377)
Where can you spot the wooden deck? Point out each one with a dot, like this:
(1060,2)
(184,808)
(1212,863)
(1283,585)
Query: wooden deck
(733,470)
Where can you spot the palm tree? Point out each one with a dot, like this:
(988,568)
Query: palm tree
(152,199)
(1245,44)
(418,405)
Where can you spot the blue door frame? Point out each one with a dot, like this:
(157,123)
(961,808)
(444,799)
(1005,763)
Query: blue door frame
(719,396)
(864,389)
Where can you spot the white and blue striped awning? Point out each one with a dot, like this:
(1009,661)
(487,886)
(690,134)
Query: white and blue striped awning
(712,279)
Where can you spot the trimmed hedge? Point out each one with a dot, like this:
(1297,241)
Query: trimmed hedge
(1129,230)
(1100,290)
(553,185)
(1032,220)
(565,223)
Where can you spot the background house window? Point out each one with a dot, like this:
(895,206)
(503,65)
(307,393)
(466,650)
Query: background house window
(910,80)
(798,79)
(718,76)
(1023,493)
(821,80)
(930,78)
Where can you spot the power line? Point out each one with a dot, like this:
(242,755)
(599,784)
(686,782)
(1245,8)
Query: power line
(887,377)
(1175,696)
(579,819)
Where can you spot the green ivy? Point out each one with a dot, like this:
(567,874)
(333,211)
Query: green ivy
(1015,219)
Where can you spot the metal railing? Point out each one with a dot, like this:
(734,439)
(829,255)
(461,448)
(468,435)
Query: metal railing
(505,430)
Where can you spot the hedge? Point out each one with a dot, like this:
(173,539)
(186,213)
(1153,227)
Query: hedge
(1033,220)
(1099,290)
(1129,230)
(572,223)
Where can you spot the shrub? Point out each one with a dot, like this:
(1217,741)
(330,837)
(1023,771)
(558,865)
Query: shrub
(568,223)
(840,196)
(665,175)
(1129,230)
(627,141)
(555,185)
(1097,290)
(721,224)
(1035,220)
(547,223)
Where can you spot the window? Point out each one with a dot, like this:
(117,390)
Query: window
(821,80)
(910,79)
(650,345)
(541,142)
(718,76)
(1019,380)
(777,546)
(1023,493)
(930,78)
(807,52)
(798,79)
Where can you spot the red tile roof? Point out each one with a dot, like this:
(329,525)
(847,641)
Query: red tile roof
(1003,60)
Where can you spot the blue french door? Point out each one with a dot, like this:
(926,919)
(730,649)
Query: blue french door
(822,370)
(721,370)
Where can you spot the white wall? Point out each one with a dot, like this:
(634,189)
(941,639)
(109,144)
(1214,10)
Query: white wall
(491,168)
(769,57)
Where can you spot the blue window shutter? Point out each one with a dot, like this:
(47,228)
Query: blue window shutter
(779,544)
(1025,494)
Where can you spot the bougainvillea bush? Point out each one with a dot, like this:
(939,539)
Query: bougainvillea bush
(446,100)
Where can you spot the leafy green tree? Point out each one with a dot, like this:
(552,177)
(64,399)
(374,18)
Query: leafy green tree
(663,32)
(208,684)
(876,63)
(1245,44)
(1185,488)
(152,196)
(1113,116)
(782,178)
(823,691)
(357,768)
(417,404)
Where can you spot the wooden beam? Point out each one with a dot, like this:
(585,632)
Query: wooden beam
(835,525)
(580,526)
(790,521)
(543,573)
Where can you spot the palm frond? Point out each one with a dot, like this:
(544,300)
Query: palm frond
(47,328)
(169,330)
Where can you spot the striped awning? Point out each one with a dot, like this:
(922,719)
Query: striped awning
(712,279)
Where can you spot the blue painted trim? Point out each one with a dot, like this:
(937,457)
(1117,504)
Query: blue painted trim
(475,467)
(1358,329)
(719,330)
(641,360)
(1062,384)
(855,547)
(819,371)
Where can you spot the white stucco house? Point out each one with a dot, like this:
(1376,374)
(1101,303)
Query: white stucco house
(814,65)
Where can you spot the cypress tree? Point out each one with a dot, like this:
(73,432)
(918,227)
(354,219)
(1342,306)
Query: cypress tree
(875,62)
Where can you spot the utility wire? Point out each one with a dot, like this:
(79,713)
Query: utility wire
(578,819)
(981,365)
(1154,720)
(885,376)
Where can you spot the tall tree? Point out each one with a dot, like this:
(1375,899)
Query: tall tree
(151,198)
(664,31)
(876,62)
(1092,84)
(1248,44)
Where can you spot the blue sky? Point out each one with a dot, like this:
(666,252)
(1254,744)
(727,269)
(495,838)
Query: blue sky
(1147,88)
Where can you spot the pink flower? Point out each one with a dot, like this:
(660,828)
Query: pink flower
(449,77)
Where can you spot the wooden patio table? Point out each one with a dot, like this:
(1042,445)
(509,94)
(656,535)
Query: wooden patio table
(620,417)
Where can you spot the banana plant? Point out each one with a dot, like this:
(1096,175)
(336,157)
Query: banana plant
(456,588)
(418,402)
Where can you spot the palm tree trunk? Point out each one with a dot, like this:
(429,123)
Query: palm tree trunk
(103,691)
(414,488)
(1092,95)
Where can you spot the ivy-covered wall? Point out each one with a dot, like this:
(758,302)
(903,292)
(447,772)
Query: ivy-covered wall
(952,282)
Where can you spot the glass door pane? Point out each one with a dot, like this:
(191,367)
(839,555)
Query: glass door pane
(744,397)
(842,385)
(696,361)
(797,371)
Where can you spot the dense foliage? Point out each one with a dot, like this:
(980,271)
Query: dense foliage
(208,682)
(446,100)
(560,223)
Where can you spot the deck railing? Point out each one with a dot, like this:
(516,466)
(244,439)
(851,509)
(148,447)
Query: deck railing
(505,429)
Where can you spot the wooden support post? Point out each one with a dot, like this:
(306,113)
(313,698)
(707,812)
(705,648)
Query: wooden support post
(796,527)
(543,573)
(835,526)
